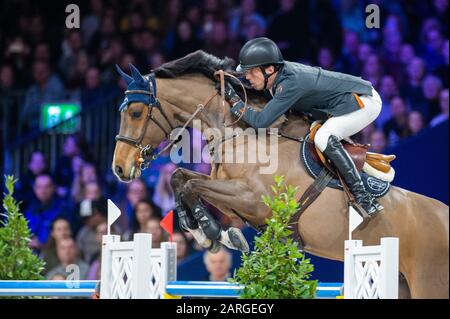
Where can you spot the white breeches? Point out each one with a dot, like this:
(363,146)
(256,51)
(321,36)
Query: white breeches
(349,124)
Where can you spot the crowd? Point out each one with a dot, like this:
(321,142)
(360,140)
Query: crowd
(67,209)
(406,60)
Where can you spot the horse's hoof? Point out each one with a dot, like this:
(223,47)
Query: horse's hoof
(215,247)
(238,240)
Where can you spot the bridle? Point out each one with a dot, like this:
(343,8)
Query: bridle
(146,152)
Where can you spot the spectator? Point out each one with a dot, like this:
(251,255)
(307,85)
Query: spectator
(392,45)
(7,81)
(69,261)
(91,22)
(164,197)
(142,213)
(244,18)
(185,40)
(412,90)
(101,40)
(365,134)
(378,142)
(18,52)
(325,59)
(432,48)
(443,103)
(442,70)
(172,14)
(290,13)
(92,93)
(372,70)
(415,122)
(42,52)
(388,90)
(156,60)
(149,45)
(407,53)
(440,10)
(37,29)
(95,268)
(349,57)
(431,87)
(60,230)
(218,265)
(78,73)
(183,248)
(151,175)
(352,17)
(93,214)
(195,16)
(43,210)
(136,191)
(219,44)
(36,166)
(153,227)
(88,174)
(47,87)
(92,192)
(364,51)
(397,127)
(72,147)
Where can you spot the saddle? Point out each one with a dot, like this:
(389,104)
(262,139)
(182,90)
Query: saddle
(375,170)
(374,164)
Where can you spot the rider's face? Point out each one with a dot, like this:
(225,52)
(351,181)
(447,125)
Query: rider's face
(255,77)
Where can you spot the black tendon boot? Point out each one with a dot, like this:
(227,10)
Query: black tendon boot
(336,153)
(232,237)
(208,224)
(185,220)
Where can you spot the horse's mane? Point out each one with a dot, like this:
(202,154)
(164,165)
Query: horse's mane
(195,62)
(200,62)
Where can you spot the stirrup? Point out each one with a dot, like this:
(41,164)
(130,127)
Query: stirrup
(374,209)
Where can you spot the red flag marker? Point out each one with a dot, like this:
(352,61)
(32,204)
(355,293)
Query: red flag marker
(167,224)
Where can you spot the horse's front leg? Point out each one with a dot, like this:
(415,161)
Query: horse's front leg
(229,196)
(187,203)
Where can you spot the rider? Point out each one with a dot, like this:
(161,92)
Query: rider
(345,103)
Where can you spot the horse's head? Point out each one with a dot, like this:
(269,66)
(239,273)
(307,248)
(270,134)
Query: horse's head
(138,138)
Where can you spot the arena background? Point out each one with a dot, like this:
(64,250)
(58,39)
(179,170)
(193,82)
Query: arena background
(50,73)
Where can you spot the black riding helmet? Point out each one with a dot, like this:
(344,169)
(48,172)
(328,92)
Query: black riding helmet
(259,52)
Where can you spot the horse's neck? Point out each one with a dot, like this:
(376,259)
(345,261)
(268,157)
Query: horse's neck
(296,125)
(184,94)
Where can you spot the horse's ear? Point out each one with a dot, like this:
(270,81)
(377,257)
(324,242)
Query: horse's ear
(128,79)
(136,74)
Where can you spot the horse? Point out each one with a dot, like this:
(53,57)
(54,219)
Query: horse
(187,88)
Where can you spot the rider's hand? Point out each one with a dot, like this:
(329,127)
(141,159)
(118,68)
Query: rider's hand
(230,94)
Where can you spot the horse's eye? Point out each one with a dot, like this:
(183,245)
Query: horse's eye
(136,114)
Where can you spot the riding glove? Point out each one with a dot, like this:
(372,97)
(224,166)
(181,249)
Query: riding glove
(233,98)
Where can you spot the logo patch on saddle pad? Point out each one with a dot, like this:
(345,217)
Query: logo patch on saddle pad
(373,185)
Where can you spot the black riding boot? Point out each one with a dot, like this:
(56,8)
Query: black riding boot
(209,225)
(336,153)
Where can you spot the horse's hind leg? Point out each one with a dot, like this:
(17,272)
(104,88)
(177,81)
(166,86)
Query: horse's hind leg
(403,288)
(185,203)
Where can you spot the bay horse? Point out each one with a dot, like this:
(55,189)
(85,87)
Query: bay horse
(420,222)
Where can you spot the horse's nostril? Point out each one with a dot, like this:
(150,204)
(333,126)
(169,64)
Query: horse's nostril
(119,170)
